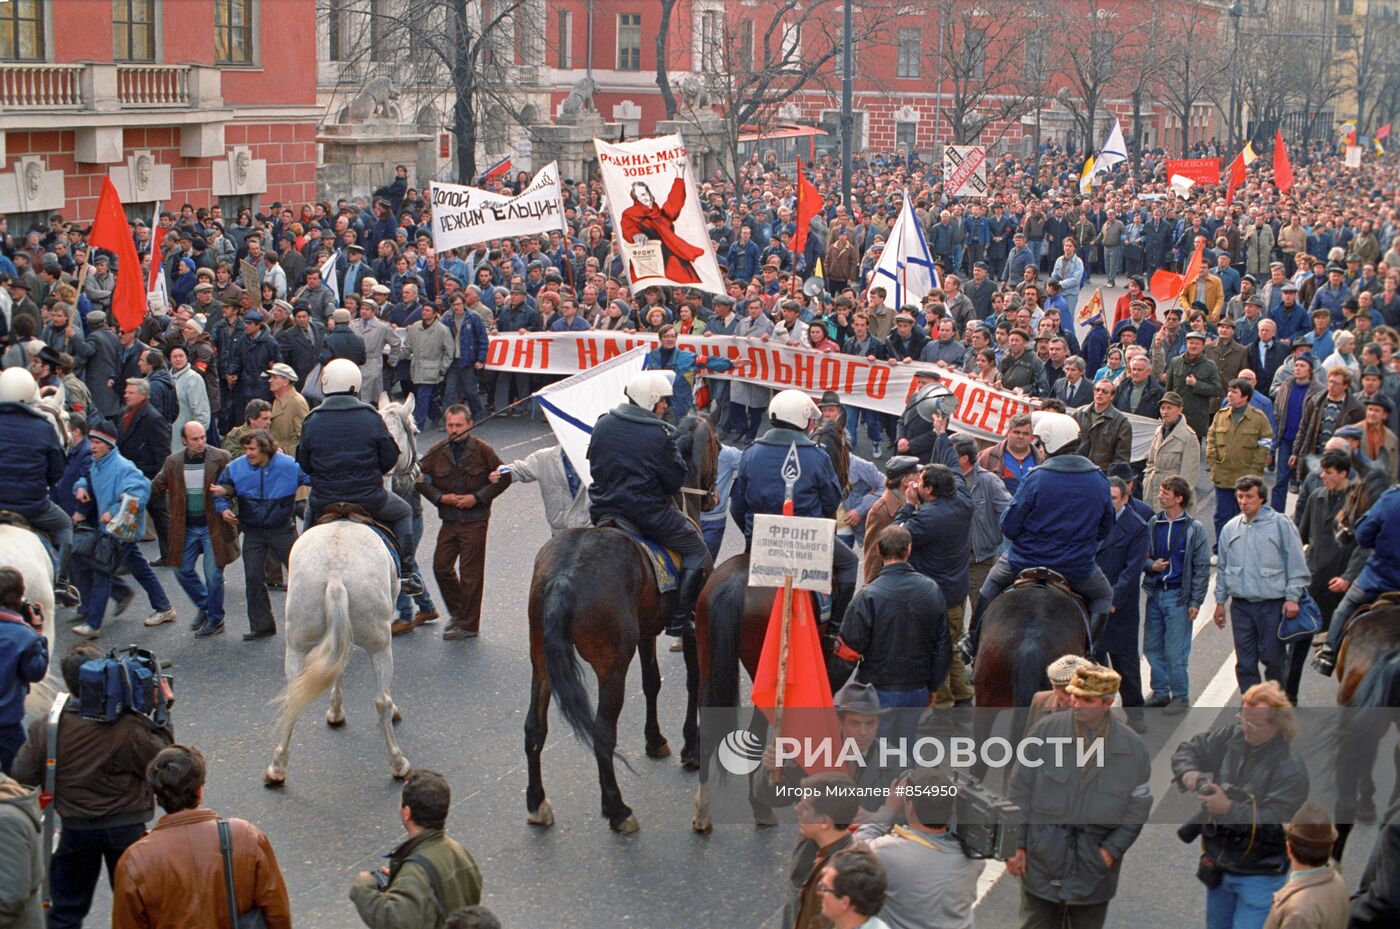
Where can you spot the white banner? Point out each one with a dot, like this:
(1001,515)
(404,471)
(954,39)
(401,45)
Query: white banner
(469,215)
(1353,158)
(574,404)
(799,547)
(657,214)
(964,171)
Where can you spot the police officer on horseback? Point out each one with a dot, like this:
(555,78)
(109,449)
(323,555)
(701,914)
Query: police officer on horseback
(346,450)
(1061,511)
(637,470)
(760,488)
(32,462)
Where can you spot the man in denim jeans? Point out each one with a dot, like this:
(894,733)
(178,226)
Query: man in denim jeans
(199,539)
(1176,572)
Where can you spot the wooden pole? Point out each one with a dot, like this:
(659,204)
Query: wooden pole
(783,634)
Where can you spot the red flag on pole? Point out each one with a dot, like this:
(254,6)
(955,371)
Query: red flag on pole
(111,231)
(1168,285)
(1383,133)
(809,204)
(808,713)
(1283,168)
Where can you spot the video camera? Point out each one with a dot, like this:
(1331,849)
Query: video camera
(125,681)
(1192,829)
(986,824)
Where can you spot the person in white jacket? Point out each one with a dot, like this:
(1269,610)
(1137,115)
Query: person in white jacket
(565,495)
(191,393)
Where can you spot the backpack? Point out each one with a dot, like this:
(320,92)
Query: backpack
(126,681)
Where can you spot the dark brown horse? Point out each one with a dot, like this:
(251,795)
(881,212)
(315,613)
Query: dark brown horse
(593,595)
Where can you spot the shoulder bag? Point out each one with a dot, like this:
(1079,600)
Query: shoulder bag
(254,918)
(1308,622)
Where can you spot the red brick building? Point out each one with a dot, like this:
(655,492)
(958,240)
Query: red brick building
(905,91)
(176,101)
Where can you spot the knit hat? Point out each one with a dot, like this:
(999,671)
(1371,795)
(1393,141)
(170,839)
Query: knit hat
(1093,680)
(1061,670)
(104,431)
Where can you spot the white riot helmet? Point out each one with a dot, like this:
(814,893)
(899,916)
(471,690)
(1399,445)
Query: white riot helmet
(17,386)
(649,388)
(1058,432)
(794,409)
(340,376)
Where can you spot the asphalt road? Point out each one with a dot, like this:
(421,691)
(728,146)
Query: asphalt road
(464,705)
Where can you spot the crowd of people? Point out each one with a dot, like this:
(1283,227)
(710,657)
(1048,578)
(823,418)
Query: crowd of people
(240,405)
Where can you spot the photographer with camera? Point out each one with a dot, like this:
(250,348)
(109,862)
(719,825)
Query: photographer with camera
(100,790)
(24,660)
(1250,782)
(930,881)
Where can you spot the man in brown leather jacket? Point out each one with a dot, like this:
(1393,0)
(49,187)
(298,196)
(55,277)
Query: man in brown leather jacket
(174,877)
(457,480)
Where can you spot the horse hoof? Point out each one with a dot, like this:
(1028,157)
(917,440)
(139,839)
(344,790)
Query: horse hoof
(628,825)
(543,815)
(397,717)
(272,779)
(767,821)
(402,770)
(335,722)
(661,751)
(689,762)
(702,825)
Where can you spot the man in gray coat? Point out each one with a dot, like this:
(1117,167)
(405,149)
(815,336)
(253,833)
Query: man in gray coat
(381,345)
(429,347)
(1079,821)
(22,856)
(99,283)
(103,367)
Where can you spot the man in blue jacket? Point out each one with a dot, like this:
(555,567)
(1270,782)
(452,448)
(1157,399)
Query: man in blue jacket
(1120,557)
(1379,530)
(760,487)
(1061,512)
(264,481)
(744,257)
(470,330)
(111,478)
(637,469)
(32,461)
(346,450)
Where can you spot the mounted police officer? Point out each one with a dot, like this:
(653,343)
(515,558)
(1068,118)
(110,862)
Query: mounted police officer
(637,471)
(32,461)
(1061,512)
(760,488)
(346,450)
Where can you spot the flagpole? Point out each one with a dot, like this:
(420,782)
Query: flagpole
(792,470)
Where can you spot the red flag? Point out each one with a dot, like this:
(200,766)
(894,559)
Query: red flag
(1236,177)
(809,204)
(1383,133)
(808,712)
(1167,285)
(111,231)
(1283,168)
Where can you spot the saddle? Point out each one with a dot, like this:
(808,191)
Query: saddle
(1050,579)
(665,564)
(1389,598)
(353,512)
(11,518)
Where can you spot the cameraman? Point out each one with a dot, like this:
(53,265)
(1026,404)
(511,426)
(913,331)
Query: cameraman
(930,882)
(100,790)
(1250,782)
(24,660)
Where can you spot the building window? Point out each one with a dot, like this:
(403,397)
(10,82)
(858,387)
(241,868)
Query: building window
(1101,55)
(904,136)
(1344,7)
(975,60)
(134,30)
(1344,38)
(840,58)
(233,32)
(231,205)
(908,63)
(790,48)
(629,41)
(712,41)
(745,46)
(565,48)
(22,30)
(1035,57)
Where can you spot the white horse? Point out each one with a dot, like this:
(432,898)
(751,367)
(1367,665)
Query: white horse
(342,584)
(25,552)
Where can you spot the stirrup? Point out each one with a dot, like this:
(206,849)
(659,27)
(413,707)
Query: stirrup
(1324,662)
(409,584)
(966,651)
(679,628)
(66,594)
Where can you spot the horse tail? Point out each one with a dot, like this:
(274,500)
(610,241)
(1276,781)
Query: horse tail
(1027,676)
(326,662)
(726,615)
(561,660)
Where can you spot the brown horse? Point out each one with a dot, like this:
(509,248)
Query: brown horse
(573,613)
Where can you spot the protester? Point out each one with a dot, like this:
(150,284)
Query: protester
(24,660)
(1315,895)
(824,818)
(1237,444)
(1177,574)
(23,862)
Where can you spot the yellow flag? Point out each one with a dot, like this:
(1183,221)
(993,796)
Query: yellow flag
(1092,307)
(1086,179)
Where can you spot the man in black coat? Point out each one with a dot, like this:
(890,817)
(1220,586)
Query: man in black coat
(343,341)
(1120,558)
(346,450)
(143,438)
(252,355)
(300,344)
(637,468)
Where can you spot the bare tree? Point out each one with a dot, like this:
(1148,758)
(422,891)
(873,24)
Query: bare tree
(1091,41)
(1193,62)
(467,54)
(1371,63)
(984,64)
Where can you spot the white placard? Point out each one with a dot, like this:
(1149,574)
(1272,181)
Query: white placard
(965,170)
(1353,156)
(800,546)
(468,215)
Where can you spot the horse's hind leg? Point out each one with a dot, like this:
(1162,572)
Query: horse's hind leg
(335,713)
(657,746)
(612,692)
(276,774)
(540,813)
(691,729)
(383,662)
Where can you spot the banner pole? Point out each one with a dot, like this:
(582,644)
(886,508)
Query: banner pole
(783,637)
